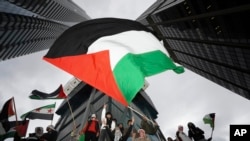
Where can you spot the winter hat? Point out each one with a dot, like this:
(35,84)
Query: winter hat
(141,130)
(51,127)
(93,116)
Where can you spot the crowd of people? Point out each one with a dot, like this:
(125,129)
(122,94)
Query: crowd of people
(110,130)
(194,134)
(39,135)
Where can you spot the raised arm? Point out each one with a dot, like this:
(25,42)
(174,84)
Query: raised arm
(103,118)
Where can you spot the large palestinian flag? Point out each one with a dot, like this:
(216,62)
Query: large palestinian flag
(112,55)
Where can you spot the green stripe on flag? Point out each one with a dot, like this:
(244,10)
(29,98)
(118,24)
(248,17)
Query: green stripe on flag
(131,70)
(149,66)
(48,106)
(209,119)
(35,97)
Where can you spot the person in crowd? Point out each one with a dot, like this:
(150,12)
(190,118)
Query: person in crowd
(196,133)
(114,121)
(150,128)
(120,125)
(180,135)
(107,123)
(142,136)
(118,136)
(37,136)
(133,130)
(51,134)
(91,129)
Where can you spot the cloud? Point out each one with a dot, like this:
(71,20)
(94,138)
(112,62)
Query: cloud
(129,9)
(189,97)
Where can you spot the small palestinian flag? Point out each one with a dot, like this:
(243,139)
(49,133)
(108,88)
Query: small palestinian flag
(112,55)
(209,119)
(7,110)
(57,94)
(8,129)
(45,112)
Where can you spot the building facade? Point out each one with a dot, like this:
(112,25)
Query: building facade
(28,26)
(208,37)
(84,100)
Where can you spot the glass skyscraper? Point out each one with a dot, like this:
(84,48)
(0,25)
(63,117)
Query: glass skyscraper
(28,26)
(208,37)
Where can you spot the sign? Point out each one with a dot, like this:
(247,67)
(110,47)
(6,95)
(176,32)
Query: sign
(239,132)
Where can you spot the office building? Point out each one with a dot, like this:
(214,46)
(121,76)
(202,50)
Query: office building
(29,26)
(208,37)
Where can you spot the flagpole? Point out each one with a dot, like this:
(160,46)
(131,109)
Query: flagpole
(15,115)
(74,123)
(136,111)
(140,114)
(15,111)
(212,132)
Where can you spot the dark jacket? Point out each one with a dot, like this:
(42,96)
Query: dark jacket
(50,136)
(196,133)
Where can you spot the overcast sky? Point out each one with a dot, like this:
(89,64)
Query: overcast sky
(178,98)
